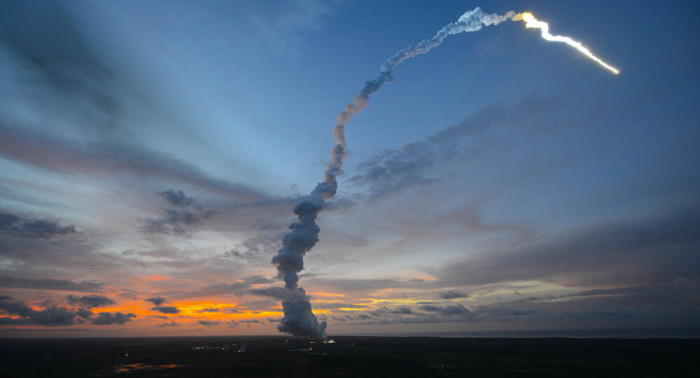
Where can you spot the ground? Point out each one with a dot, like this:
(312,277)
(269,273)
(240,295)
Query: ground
(350,356)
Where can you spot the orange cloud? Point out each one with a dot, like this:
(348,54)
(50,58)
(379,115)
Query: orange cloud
(157,278)
(324,294)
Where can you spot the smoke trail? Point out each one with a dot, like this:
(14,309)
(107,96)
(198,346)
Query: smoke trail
(299,319)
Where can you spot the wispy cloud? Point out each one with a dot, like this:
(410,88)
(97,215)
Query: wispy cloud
(655,249)
(50,284)
(390,172)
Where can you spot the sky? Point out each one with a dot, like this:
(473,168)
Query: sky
(151,153)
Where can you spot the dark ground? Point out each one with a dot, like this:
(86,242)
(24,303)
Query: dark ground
(350,356)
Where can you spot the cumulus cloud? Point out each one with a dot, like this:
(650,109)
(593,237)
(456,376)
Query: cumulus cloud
(32,228)
(178,221)
(90,301)
(156,300)
(15,307)
(175,221)
(453,294)
(402,310)
(209,323)
(83,313)
(274,292)
(166,309)
(108,318)
(172,323)
(178,198)
(50,316)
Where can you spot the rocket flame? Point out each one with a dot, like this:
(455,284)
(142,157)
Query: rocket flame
(532,22)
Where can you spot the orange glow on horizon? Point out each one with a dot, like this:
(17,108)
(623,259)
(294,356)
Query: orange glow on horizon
(157,278)
(324,294)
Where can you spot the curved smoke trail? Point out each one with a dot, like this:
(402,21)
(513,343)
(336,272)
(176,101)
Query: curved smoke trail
(299,319)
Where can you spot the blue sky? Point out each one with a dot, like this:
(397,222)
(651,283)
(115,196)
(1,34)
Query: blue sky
(501,182)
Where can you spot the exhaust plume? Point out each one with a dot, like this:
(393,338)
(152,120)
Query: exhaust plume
(299,319)
(532,22)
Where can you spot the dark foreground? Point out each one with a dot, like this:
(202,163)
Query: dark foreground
(349,357)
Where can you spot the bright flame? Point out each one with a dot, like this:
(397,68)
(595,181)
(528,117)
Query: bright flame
(532,22)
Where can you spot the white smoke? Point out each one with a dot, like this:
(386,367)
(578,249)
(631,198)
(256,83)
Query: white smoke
(299,319)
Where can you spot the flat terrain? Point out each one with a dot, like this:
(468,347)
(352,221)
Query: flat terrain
(349,356)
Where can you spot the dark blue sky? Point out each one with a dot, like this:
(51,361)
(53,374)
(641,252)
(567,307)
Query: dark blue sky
(155,149)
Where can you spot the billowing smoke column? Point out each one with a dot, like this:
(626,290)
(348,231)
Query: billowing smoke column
(299,320)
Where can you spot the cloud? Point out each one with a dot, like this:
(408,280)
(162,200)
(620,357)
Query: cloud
(455,310)
(390,171)
(257,279)
(171,324)
(43,40)
(156,300)
(90,301)
(83,313)
(209,323)
(274,292)
(336,305)
(262,305)
(237,287)
(50,284)
(51,316)
(33,228)
(108,318)
(108,157)
(402,310)
(368,285)
(255,248)
(657,306)
(453,294)
(178,198)
(166,309)
(658,248)
(281,26)
(179,221)
(11,306)
(232,323)
(501,311)
(63,80)
(208,310)
(216,289)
